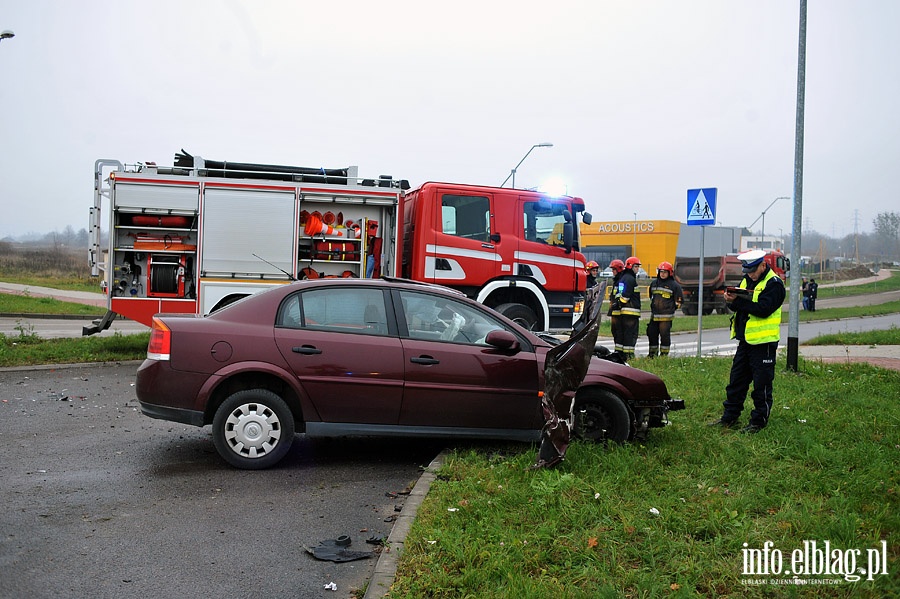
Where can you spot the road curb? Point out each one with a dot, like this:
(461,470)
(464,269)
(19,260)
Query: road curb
(72,365)
(386,568)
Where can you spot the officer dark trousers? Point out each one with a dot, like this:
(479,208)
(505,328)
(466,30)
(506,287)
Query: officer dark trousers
(752,364)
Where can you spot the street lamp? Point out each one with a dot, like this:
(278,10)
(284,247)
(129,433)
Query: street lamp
(763,216)
(6,34)
(513,172)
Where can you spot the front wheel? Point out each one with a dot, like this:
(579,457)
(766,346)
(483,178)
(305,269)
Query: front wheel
(253,429)
(520,314)
(601,415)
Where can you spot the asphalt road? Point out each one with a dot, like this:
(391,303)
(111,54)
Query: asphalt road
(100,501)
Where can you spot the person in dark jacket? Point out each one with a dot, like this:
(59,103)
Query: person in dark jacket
(629,299)
(804,289)
(665,299)
(615,309)
(756,324)
(813,294)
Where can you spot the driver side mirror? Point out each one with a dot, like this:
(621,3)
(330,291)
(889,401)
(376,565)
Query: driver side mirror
(502,340)
(568,236)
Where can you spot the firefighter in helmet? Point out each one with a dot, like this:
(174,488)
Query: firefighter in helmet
(593,270)
(615,310)
(665,299)
(629,299)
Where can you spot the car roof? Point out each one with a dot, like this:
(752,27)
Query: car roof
(270,299)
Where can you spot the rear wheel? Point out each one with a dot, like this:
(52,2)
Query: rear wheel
(520,314)
(601,415)
(253,429)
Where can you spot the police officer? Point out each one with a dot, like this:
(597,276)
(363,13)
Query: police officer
(756,325)
(615,309)
(665,299)
(629,299)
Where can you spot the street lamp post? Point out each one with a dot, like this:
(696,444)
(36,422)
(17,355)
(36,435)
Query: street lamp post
(513,172)
(6,34)
(764,215)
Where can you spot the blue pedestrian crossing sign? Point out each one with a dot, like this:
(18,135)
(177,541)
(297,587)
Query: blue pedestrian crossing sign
(701,206)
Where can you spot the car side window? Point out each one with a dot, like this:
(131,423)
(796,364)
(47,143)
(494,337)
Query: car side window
(350,310)
(438,318)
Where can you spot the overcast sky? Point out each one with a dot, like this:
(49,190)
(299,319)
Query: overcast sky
(642,99)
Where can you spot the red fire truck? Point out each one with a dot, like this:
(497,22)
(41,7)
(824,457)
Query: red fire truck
(201,234)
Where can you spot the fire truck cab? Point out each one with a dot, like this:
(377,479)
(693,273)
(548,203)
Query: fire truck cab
(513,250)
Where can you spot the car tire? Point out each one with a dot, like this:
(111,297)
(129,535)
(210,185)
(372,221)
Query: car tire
(601,415)
(520,314)
(253,429)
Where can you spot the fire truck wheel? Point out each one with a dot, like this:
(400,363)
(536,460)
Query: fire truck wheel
(253,429)
(518,313)
(601,415)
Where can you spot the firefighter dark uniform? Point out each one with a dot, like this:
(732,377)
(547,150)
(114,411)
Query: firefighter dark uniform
(665,299)
(615,309)
(756,325)
(628,298)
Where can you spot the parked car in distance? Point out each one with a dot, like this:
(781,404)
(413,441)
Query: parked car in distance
(387,357)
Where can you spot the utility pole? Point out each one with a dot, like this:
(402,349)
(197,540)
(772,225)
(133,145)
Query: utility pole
(793,341)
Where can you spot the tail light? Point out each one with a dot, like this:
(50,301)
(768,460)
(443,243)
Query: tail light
(160,341)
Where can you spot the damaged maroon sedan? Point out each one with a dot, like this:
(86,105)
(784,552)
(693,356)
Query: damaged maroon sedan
(386,357)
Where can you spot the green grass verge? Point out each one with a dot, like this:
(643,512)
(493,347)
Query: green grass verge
(28,349)
(891,283)
(26,304)
(888,337)
(824,469)
(69,283)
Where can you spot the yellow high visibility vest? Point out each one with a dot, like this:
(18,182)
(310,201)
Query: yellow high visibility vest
(761,330)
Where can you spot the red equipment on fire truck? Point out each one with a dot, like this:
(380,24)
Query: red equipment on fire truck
(201,234)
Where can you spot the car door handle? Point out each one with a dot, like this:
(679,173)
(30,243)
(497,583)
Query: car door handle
(306,350)
(427,360)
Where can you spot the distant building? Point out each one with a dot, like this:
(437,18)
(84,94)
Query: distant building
(756,242)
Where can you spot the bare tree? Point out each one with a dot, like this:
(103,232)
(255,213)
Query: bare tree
(887,231)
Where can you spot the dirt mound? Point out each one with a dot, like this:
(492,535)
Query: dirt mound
(854,272)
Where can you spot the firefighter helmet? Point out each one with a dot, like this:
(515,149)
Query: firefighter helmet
(632,262)
(617,265)
(591,265)
(667,266)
